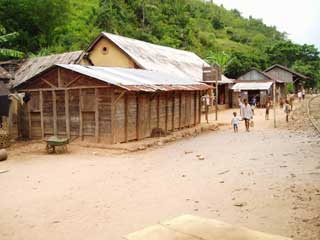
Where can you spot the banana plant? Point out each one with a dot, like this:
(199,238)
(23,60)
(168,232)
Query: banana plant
(220,58)
(7,52)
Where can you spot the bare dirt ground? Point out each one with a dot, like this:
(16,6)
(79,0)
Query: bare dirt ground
(267,180)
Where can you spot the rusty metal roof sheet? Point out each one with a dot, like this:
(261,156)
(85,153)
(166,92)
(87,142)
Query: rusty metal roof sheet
(137,79)
(34,66)
(159,58)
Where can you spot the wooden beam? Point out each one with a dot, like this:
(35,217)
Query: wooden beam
(80,115)
(41,113)
(63,88)
(180,109)
(150,98)
(96,118)
(138,118)
(73,81)
(49,83)
(67,112)
(54,109)
(126,118)
(173,109)
(158,111)
(118,98)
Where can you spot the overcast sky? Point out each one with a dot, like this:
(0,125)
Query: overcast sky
(299,18)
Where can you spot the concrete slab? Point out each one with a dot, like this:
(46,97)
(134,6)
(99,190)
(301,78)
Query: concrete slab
(188,227)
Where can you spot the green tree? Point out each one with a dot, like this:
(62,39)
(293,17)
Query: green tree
(220,58)
(5,38)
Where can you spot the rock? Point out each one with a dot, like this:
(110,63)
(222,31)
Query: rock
(142,148)
(240,204)
(201,158)
(3,171)
(224,172)
(3,155)
(188,152)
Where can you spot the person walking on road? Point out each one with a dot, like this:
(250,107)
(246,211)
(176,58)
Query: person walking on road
(246,112)
(286,109)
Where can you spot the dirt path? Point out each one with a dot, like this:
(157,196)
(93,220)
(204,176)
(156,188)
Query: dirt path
(266,180)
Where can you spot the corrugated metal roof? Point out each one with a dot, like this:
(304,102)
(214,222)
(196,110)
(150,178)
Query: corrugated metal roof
(34,66)
(160,58)
(3,89)
(285,69)
(137,79)
(252,86)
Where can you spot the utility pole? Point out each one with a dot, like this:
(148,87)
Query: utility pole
(274,104)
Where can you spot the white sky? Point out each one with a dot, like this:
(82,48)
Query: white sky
(299,18)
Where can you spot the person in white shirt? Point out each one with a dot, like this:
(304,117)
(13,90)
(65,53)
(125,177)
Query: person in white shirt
(235,122)
(299,95)
(246,112)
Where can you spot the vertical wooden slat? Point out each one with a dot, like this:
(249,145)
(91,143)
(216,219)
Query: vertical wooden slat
(158,111)
(138,118)
(29,119)
(113,119)
(54,108)
(199,106)
(126,117)
(41,113)
(67,112)
(195,108)
(180,110)
(166,117)
(150,99)
(96,115)
(59,78)
(80,115)
(173,109)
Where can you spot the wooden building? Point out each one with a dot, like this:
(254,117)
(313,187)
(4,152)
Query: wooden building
(287,75)
(111,105)
(258,84)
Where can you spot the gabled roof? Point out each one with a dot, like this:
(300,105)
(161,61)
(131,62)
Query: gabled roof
(33,66)
(4,74)
(286,69)
(268,77)
(159,58)
(134,79)
(3,89)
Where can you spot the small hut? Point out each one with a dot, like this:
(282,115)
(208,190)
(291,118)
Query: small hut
(111,105)
(287,75)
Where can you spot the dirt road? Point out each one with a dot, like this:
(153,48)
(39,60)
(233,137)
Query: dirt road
(268,180)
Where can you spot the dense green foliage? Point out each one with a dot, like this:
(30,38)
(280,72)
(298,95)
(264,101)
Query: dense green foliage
(5,39)
(50,26)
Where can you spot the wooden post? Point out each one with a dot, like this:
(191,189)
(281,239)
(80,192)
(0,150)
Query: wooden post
(80,115)
(67,112)
(180,110)
(158,111)
(96,115)
(166,117)
(54,108)
(200,106)
(137,118)
(173,109)
(41,113)
(126,117)
(29,120)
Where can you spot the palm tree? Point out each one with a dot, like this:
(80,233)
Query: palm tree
(220,58)
(7,52)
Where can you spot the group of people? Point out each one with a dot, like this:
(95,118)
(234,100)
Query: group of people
(247,112)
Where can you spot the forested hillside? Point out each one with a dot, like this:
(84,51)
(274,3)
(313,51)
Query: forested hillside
(53,26)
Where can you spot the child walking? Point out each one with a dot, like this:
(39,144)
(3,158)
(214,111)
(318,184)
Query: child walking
(235,122)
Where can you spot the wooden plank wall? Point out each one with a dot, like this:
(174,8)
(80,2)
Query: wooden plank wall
(107,114)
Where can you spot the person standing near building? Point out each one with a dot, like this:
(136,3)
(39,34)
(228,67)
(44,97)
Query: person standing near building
(303,93)
(286,109)
(299,95)
(246,112)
